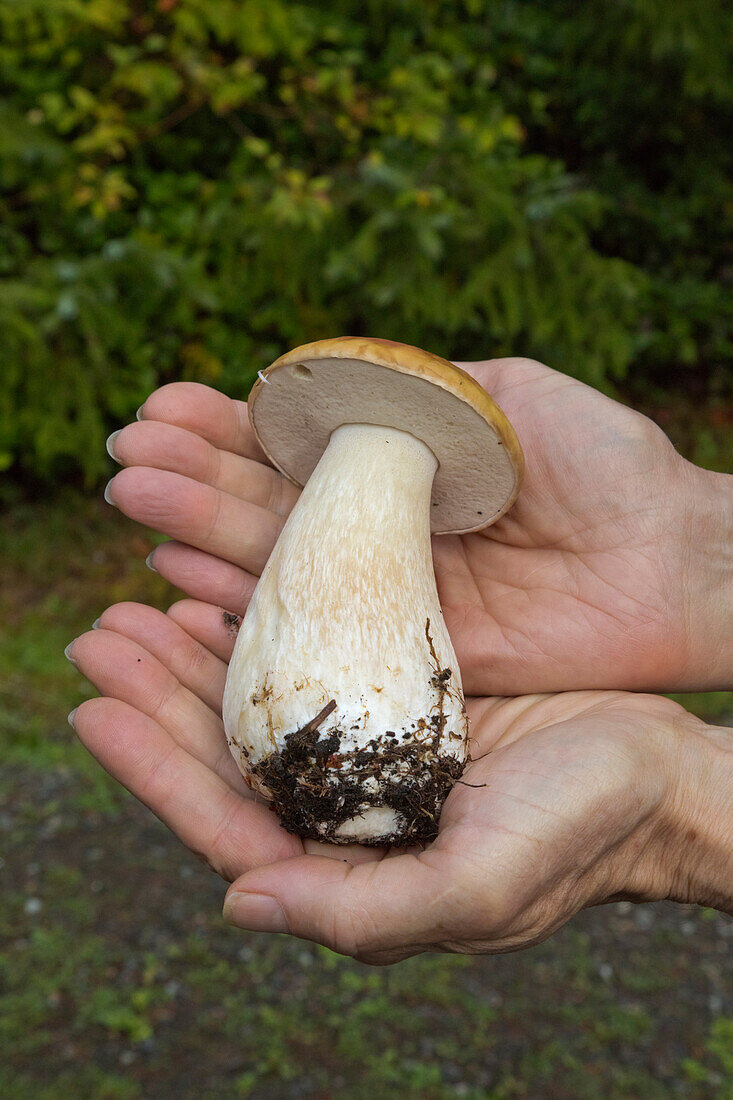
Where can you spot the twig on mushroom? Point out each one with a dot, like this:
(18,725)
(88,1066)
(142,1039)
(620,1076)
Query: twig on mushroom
(322,715)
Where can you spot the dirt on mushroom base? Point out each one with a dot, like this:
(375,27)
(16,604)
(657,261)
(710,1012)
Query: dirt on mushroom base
(315,787)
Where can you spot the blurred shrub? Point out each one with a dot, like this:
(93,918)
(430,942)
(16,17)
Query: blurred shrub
(637,97)
(188,187)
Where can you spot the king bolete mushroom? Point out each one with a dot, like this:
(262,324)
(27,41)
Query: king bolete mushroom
(343,704)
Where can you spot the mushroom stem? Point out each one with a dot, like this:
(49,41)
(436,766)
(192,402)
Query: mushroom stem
(347,613)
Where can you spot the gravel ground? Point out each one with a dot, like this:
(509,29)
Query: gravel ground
(121,980)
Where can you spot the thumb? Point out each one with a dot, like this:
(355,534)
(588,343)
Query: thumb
(375,912)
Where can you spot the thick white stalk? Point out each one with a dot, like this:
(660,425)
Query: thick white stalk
(346,617)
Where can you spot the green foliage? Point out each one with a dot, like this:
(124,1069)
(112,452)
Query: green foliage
(188,187)
(120,1015)
(719,1046)
(636,97)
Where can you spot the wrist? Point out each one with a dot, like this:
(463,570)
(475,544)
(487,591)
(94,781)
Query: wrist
(707,578)
(698,826)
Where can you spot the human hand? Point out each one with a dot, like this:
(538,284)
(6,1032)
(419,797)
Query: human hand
(157,729)
(614,567)
(570,800)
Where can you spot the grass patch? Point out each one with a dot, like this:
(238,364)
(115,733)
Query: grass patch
(63,561)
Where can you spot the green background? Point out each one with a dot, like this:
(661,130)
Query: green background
(188,188)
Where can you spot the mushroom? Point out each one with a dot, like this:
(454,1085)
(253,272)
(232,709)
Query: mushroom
(343,703)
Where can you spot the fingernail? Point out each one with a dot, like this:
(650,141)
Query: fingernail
(95,624)
(255,912)
(140,415)
(70,718)
(107,494)
(149,561)
(110,444)
(67,652)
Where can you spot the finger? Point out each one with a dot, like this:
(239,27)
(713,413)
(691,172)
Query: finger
(230,833)
(196,514)
(200,671)
(123,670)
(207,412)
(374,912)
(213,627)
(518,384)
(191,664)
(507,379)
(351,853)
(204,577)
(165,447)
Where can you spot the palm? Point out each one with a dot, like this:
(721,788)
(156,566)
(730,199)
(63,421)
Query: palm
(571,583)
(555,783)
(558,783)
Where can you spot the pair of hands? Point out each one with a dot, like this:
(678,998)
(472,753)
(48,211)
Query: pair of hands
(611,568)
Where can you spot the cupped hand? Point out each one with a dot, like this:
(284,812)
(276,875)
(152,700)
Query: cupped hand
(157,729)
(604,572)
(570,800)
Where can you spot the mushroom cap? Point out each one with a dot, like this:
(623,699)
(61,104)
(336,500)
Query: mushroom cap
(309,392)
